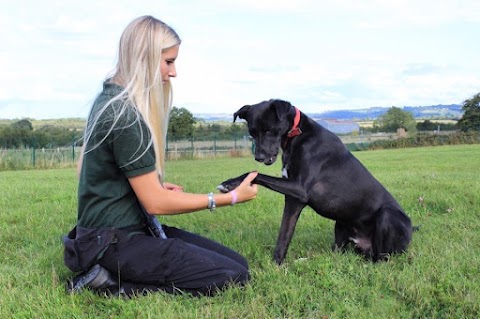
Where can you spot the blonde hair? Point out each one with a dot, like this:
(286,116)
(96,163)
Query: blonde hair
(138,72)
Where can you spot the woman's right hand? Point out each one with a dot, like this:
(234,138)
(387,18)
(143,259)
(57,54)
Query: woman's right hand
(246,190)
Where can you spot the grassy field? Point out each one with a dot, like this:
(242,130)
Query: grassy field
(438,277)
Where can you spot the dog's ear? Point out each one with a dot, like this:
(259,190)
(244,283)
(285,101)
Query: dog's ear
(241,113)
(281,108)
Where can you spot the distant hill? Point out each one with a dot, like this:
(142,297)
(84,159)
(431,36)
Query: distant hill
(452,111)
(437,112)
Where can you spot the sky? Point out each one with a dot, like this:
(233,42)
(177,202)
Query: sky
(320,55)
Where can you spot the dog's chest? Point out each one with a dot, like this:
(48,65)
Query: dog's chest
(286,164)
(285,171)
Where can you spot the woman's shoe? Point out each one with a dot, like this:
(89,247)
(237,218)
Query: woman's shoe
(97,278)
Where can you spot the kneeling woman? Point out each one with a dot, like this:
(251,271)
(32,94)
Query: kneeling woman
(121,183)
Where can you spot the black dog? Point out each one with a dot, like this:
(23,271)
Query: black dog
(320,172)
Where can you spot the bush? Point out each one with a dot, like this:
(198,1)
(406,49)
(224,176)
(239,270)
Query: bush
(429,140)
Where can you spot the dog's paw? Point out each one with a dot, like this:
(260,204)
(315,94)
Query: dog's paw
(230,184)
(222,188)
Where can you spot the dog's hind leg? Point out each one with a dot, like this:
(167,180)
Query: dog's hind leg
(291,212)
(346,235)
(343,233)
(393,233)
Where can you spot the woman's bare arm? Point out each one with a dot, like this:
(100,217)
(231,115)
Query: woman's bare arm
(158,200)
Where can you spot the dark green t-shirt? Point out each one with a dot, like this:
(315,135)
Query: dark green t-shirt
(105,197)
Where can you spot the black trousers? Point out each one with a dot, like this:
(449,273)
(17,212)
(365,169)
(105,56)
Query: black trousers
(184,262)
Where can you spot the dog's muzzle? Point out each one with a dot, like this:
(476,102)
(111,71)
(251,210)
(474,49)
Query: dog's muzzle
(267,161)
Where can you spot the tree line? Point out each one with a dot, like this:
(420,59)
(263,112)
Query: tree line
(21,134)
(396,118)
(183,125)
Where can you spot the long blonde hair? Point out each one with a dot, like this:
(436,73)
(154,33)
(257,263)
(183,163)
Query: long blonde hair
(138,72)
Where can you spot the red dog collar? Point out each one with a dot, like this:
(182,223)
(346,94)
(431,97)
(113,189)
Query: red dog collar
(295,129)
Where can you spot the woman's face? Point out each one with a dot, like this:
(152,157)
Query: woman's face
(167,65)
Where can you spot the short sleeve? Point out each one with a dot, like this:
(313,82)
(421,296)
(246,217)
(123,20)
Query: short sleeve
(132,146)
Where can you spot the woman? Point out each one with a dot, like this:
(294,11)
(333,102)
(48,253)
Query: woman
(121,174)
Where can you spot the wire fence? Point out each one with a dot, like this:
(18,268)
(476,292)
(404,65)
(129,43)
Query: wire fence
(43,158)
(190,149)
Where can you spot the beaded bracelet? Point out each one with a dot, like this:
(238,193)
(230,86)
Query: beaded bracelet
(234,197)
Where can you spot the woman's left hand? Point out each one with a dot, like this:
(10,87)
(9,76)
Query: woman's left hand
(172,187)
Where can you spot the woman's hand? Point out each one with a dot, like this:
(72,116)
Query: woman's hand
(246,190)
(172,187)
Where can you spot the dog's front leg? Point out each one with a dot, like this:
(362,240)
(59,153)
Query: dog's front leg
(291,212)
(284,186)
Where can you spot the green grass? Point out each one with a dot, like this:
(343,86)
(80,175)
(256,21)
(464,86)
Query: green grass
(437,277)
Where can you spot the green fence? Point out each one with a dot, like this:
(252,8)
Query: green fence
(43,158)
(35,158)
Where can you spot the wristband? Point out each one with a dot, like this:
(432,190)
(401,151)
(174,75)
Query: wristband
(211,202)
(234,197)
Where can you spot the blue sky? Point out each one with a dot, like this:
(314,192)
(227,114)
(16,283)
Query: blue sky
(319,55)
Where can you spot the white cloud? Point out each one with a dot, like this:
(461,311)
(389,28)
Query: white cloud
(317,54)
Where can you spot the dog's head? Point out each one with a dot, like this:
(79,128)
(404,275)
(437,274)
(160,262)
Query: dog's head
(268,122)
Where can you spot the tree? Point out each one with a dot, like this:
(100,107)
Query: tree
(235,130)
(53,136)
(23,125)
(396,118)
(9,138)
(181,123)
(428,125)
(22,131)
(470,120)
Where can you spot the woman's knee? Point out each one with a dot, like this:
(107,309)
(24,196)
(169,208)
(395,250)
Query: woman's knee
(232,277)
(243,277)
(238,276)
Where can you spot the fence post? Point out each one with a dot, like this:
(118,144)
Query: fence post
(166,149)
(33,156)
(193,150)
(215,145)
(73,148)
(33,144)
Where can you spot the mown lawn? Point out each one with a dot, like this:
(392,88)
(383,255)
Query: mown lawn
(438,277)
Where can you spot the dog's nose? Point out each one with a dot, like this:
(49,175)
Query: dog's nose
(259,159)
(270,161)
